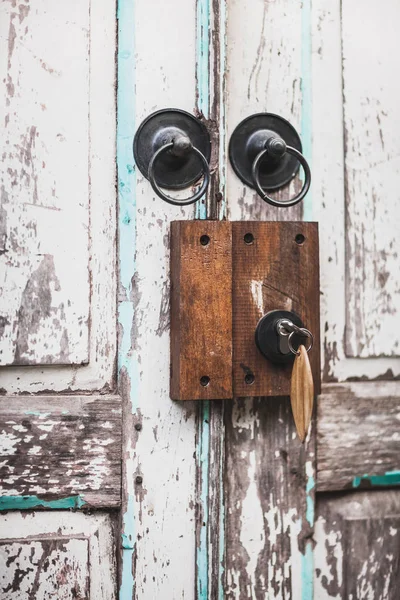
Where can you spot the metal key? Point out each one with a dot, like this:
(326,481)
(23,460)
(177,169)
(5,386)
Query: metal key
(302,384)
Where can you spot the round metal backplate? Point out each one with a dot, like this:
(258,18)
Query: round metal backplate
(171,172)
(267,337)
(245,138)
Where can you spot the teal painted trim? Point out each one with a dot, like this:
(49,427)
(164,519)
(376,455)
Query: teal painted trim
(202,456)
(202,75)
(202,56)
(307,572)
(126,252)
(203,10)
(389,478)
(222,215)
(306,94)
(310,502)
(307,560)
(222,113)
(29,502)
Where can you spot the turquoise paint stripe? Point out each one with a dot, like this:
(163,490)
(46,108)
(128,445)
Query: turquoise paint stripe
(307,572)
(203,445)
(203,449)
(202,55)
(222,215)
(307,560)
(306,93)
(389,478)
(222,98)
(29,502)
(310,504)
(126,253)
(202,75)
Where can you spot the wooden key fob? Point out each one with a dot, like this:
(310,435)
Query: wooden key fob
(302,392)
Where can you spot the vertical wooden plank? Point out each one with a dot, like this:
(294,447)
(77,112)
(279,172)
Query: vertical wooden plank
(210,75)
(201,310)
(159,443)
(270,72)
(372,169)
(270,498)
(272,272)
(264,75)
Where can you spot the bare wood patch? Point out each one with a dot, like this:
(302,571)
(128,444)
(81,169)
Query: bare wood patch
(269,499)
(358,435)
(61,447)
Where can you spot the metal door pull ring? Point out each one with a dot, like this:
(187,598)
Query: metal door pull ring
(176,201)
(256,174)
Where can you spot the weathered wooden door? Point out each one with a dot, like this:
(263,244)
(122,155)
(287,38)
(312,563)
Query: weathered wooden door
(219,499)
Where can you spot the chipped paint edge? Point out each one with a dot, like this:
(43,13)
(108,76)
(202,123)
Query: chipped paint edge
(30,502)
(203,436)
(307,559)
(126,177)
(388,479)
(306,97)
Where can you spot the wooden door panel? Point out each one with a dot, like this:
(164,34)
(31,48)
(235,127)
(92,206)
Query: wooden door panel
(45,300)
(355,186)
(57,215)
(57,555)
(372,176)
(357,552)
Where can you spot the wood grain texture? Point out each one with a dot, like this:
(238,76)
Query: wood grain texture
(59,555)
(50,37)
(44,278)
(357,550)
(60,447)
(268,502)
(372,140)
(302,393)
(201,310)
(357,434)
(272,272)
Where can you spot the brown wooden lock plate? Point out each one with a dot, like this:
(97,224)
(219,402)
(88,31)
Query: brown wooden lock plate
(224,277)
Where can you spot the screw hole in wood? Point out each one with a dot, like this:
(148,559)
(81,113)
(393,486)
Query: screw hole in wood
(248,238)
(204,240)
(249,378)
(300,239)
(204,380)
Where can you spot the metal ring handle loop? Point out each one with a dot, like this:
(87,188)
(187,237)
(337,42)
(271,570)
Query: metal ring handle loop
(264,195)
(301,331)
(176,201)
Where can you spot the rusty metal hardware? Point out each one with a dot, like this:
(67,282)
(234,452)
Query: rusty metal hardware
(172,150)
(265,153)
(279,334)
